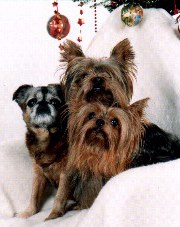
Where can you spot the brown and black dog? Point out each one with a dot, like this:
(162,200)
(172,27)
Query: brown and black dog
(46,137)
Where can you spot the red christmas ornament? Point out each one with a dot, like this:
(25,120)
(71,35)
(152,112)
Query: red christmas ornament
(178,21)
(55,4)
(57,19)
(80,21)
(60,46)
(113,4)
(81,4)
(58,26)
(176,11)
(79,39)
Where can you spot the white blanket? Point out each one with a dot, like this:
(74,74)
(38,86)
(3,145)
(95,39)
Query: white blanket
(146,196)
(156,43)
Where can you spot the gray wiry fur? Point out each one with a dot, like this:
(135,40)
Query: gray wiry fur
(43,95)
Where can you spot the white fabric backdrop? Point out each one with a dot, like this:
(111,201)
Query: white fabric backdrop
(156,43)
(29,55)
(140,197)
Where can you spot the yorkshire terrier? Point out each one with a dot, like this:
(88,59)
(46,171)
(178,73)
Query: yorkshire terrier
(46,137)
(106,141)
(107,80)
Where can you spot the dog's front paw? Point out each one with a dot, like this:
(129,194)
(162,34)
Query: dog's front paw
(77,207)
(54,215)
(25,214)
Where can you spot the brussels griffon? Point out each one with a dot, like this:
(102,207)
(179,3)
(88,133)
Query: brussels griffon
(107,80)
(42,109)
(106,141)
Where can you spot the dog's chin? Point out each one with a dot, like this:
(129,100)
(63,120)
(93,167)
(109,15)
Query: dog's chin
(43,121)
(100,94)
(97,138)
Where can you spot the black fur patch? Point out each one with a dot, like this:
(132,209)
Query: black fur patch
(44,90)
(156,146)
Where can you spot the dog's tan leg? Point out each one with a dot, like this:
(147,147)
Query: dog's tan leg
(59,206)
(38,188)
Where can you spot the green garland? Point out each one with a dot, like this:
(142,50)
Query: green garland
(168,5)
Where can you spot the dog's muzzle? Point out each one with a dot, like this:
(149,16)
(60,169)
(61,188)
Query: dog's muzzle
(97,84)
(43,108)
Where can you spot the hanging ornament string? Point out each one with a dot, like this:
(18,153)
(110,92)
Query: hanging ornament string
(95,16)
(80,21)
(55,4)
(178,21)
(177,11)
(113,4)
(58,25)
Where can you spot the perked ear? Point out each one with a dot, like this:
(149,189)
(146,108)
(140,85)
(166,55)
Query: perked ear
(138,107)
(123,52)
(70,51)
(20,94)
(59,89)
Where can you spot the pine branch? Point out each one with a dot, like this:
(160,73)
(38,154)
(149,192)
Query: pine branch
(113,4)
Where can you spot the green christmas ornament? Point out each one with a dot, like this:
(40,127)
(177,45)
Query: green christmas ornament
(131,14)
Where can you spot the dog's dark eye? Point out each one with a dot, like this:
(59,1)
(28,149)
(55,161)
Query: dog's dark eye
(114,122)
(84,75)
(55,102)
(91,115)
(32,102)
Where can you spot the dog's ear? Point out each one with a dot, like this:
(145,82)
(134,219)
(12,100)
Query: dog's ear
(123,52)
(20,94)
(60,89)
(70,50)
(138,108)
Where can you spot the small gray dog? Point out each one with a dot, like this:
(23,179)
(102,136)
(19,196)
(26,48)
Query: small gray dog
(46,138)
(40,105)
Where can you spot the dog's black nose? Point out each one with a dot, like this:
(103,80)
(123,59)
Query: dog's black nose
(43,108)
(100,123)
(97,80)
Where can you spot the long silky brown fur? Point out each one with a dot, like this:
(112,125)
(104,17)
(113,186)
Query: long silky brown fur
(93,159)
(119,70)
(86,154)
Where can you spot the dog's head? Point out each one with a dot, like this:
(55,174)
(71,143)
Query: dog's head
(106,137)
(107,80)
(41,106)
